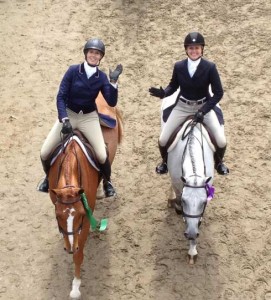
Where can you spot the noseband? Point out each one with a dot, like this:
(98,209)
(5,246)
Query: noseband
(199,215)
(64,232)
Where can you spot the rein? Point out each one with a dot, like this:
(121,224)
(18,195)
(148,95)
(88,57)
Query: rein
(189,135)
(102,225)
(63,149)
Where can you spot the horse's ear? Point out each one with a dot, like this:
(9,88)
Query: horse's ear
(57,192)
(54,191)
(183,179)
(208,179)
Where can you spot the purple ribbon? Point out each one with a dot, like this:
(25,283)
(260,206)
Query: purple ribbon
(210,192)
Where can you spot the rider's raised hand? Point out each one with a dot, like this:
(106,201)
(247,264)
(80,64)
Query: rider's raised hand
(160,93)
(198,117)
(66,127)
(114,75)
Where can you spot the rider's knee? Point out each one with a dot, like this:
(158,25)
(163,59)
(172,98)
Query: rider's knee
(221,142)
(101,156)
(162,141)
(44,154)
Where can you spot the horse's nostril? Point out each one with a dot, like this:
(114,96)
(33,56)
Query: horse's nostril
(65,249)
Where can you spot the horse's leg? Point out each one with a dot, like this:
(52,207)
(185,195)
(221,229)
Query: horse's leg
(192,252)
(100,191)
(171,197)
(75,293)
(77,259)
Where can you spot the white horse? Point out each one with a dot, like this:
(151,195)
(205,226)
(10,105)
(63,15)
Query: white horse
(191,169)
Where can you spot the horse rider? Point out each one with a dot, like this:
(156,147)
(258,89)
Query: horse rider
(193,76)
(76,108)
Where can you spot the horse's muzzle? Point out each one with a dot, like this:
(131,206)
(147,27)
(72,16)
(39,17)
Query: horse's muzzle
(191,237)
(71,251)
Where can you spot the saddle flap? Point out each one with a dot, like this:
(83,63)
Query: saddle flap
(107,114)
(82,142)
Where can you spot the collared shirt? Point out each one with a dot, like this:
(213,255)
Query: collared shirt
(92,70)
(192,66)
(196,87)
(89,70)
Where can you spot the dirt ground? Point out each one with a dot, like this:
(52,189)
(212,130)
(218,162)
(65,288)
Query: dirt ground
(142,255)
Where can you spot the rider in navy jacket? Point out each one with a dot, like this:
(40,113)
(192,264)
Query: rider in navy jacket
(76,108)
(79,93)
(194,76)
(197,87)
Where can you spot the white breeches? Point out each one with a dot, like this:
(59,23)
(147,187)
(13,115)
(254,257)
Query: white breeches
(180,113)
(88,124)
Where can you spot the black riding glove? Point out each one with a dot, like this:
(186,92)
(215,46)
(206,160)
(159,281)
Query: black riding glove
(198,117)
(160,93)
(66,127)
(114,75)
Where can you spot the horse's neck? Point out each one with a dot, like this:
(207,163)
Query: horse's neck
(70,169)
(193,159)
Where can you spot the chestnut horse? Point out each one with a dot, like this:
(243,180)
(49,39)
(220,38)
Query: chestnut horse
(72,179)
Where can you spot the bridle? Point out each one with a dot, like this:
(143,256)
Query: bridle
(64,232)
(75,200)
(189,134)
(202,213)
(78,198)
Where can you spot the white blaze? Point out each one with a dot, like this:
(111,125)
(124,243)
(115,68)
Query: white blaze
(70,225)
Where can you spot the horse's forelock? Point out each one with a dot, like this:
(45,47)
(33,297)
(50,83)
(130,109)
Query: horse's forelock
(67,193)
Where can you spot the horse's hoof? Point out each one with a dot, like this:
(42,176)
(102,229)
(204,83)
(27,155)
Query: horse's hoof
(192,259)
(75,295)
(171,203)
(178,209)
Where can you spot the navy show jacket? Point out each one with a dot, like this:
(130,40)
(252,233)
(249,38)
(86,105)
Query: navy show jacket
(197,87)
(79,93)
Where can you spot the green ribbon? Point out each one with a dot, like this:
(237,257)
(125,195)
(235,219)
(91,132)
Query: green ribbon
(102,225)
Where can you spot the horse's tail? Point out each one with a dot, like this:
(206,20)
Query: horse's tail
(120,124)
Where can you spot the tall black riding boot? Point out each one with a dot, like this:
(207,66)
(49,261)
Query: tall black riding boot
(105,169)
(162,167)
(43,186)
(219,165)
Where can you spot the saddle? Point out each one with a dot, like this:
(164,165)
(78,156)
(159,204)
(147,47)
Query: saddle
(107,114)
(107,117)
(179,131)
(83,143)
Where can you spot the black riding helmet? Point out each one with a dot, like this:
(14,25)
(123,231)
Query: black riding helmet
(194,38)
(94,44)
